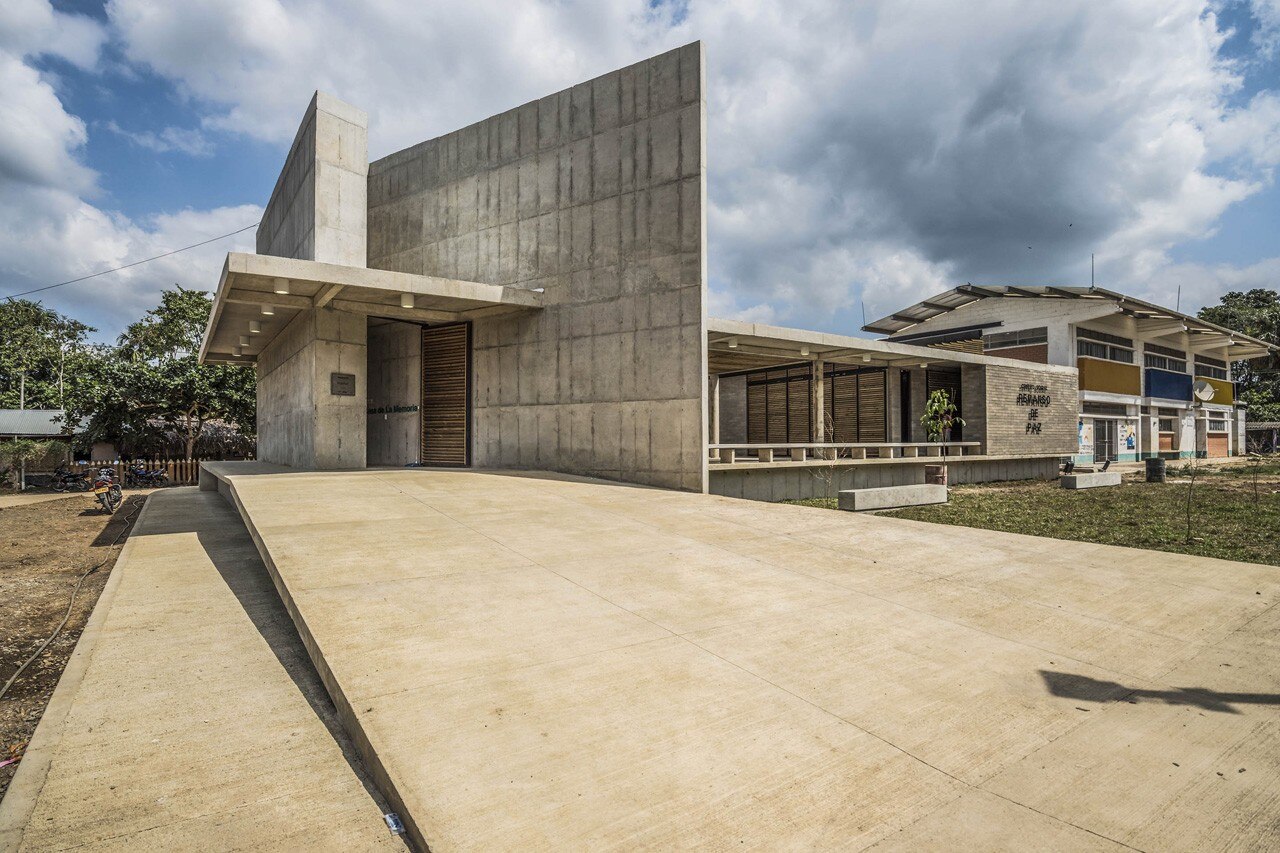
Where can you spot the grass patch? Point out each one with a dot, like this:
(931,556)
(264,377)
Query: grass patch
(1226,521)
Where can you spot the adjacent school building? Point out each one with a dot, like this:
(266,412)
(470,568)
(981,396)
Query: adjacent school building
(1152,381)
(529,292)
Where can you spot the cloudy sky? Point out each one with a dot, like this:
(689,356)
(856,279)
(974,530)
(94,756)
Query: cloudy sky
(860,152)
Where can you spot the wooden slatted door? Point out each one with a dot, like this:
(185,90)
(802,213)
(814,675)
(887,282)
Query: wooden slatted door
(446,395)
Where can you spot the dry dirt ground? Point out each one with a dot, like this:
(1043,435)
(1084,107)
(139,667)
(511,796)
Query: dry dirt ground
(44,548)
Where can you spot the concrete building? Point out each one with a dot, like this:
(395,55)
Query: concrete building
(529,292)
(1152,381)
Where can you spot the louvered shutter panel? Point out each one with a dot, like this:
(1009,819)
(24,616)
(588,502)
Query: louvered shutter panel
(446,380)
(946,379)
(871,406)
(844,407)
(799,425)
(755,415)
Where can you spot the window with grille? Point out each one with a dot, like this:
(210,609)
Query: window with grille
(1211,367)
(1103,345)
(1022,338)
(1164,358)
(1217,425)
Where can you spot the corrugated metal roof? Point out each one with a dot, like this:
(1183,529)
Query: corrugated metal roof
(32,422)
(1240,345)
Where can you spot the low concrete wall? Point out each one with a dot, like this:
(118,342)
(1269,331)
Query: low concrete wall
(892,497)
(801,482)
(1091,481)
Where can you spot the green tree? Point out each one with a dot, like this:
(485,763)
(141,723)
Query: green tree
(165,381)
(38,348)
(1255,313)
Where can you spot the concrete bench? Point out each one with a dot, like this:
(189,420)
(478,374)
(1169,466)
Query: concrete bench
(1090,480)
(891,497)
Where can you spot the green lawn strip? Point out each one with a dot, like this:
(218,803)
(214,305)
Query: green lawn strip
(1226,523)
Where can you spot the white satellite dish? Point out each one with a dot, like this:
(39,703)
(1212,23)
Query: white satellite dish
(1203,391)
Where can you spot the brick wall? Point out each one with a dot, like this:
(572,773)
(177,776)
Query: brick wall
(1029,411)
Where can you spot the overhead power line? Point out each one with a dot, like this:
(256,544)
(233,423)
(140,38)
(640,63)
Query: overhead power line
(134,264)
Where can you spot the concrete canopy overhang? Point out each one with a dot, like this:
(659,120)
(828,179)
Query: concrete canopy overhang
(734,345)
(249,283)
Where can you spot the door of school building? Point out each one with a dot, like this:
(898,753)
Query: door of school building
(446,395)
(1104,440)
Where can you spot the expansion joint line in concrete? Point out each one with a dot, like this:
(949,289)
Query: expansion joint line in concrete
(908,753)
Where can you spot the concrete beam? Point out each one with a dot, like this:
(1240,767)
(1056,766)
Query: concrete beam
(326,295)
(395,312)
(257,297)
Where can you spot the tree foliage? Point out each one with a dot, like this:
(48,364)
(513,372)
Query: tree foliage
(38,348)
(136,394)
(1255,313)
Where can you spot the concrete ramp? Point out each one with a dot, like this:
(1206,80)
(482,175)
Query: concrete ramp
(189,717)
(544,662)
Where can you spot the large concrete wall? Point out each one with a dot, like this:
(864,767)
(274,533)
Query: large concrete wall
(300,423)
(318,209)
(594,194)
(395,389)
(317,212)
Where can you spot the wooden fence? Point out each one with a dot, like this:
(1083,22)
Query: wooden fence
(181,472)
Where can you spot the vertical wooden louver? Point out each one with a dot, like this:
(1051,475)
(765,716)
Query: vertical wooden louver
(946,379)
(446,395)
(779,406)
(855,404)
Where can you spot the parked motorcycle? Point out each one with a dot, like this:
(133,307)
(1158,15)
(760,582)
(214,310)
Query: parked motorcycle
(65,480)
(136,476)
(107,490)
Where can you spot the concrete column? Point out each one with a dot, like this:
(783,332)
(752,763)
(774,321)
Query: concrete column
(818,387)
(1148,436)
(713,394)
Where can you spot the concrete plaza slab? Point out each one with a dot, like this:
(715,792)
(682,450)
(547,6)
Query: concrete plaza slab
(189,717)
(541,661)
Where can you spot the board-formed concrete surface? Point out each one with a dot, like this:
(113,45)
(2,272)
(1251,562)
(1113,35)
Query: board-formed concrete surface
(185,719)
(889,497)
(548,663)
(1090,480)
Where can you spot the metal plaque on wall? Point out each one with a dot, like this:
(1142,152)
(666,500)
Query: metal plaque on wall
(342,384)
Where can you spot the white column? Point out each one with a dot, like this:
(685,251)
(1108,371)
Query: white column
(713,397)
(818,387)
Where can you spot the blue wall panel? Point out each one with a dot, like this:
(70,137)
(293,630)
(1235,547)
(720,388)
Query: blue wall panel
(1168,385)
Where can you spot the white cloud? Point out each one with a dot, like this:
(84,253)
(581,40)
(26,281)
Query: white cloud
(880,150)
(49,232)
(32,27)
(869,152)
(183,140)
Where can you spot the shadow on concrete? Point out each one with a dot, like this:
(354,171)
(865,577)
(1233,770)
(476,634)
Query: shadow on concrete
(237,561)
(1083,688)
(233,554)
